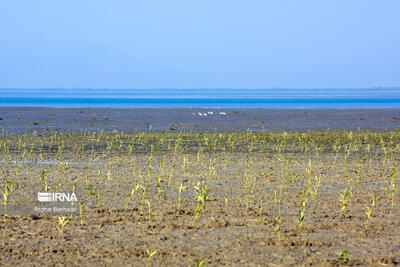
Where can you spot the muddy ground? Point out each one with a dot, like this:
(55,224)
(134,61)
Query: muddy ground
(252,217)
(44,120)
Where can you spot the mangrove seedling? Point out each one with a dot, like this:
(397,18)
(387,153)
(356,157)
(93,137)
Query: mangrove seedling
(343,199)
(370,210)
(98,199)
(303,206)
(150,253)
(81,211)
(342,256)
(202,198)
(200,263)
(62,222)
(277,223)
(181,188)
(5,194)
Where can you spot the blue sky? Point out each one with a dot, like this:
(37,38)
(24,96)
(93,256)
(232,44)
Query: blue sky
(199,44)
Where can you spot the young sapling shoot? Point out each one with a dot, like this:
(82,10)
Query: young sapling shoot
(62,222)
(150,254)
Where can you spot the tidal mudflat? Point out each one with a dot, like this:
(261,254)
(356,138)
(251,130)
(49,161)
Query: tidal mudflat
(211,198)
(44,120)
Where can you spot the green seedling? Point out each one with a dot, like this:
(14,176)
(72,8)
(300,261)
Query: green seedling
(277,229)
(74,184)
(181,188)
(309,169)
(226,201)
(316,186)
(246,178)
(370,210)
(81,211)
(159,187)
(130,151)
(350,183)
(46,185)
(98,175)
(58,185)
(343,199)
(5,194)
(61,166)
(131,196)
(150,254)
(202,198)
(211,169)
(200,263)
(17,170)
(303,206)
(98,199)
(342,256)
(90,190)
(43,179)
(253,186)
(392,188)
(109,171)
(62,222)
(171,174)
(162,165)
(276,199)
(9,186)
(116,191)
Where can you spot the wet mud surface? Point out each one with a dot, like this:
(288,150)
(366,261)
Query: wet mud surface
(145,192)
(170,120)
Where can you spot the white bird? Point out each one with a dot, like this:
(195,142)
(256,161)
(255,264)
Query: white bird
(222,113)
(210,112)
(205,114)
(200,114)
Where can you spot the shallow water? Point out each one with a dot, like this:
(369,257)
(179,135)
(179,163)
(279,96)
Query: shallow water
(196,98)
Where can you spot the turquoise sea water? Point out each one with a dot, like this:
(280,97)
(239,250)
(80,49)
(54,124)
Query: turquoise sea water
(201,98)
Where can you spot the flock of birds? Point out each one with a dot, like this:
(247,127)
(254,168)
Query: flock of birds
(209,113)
